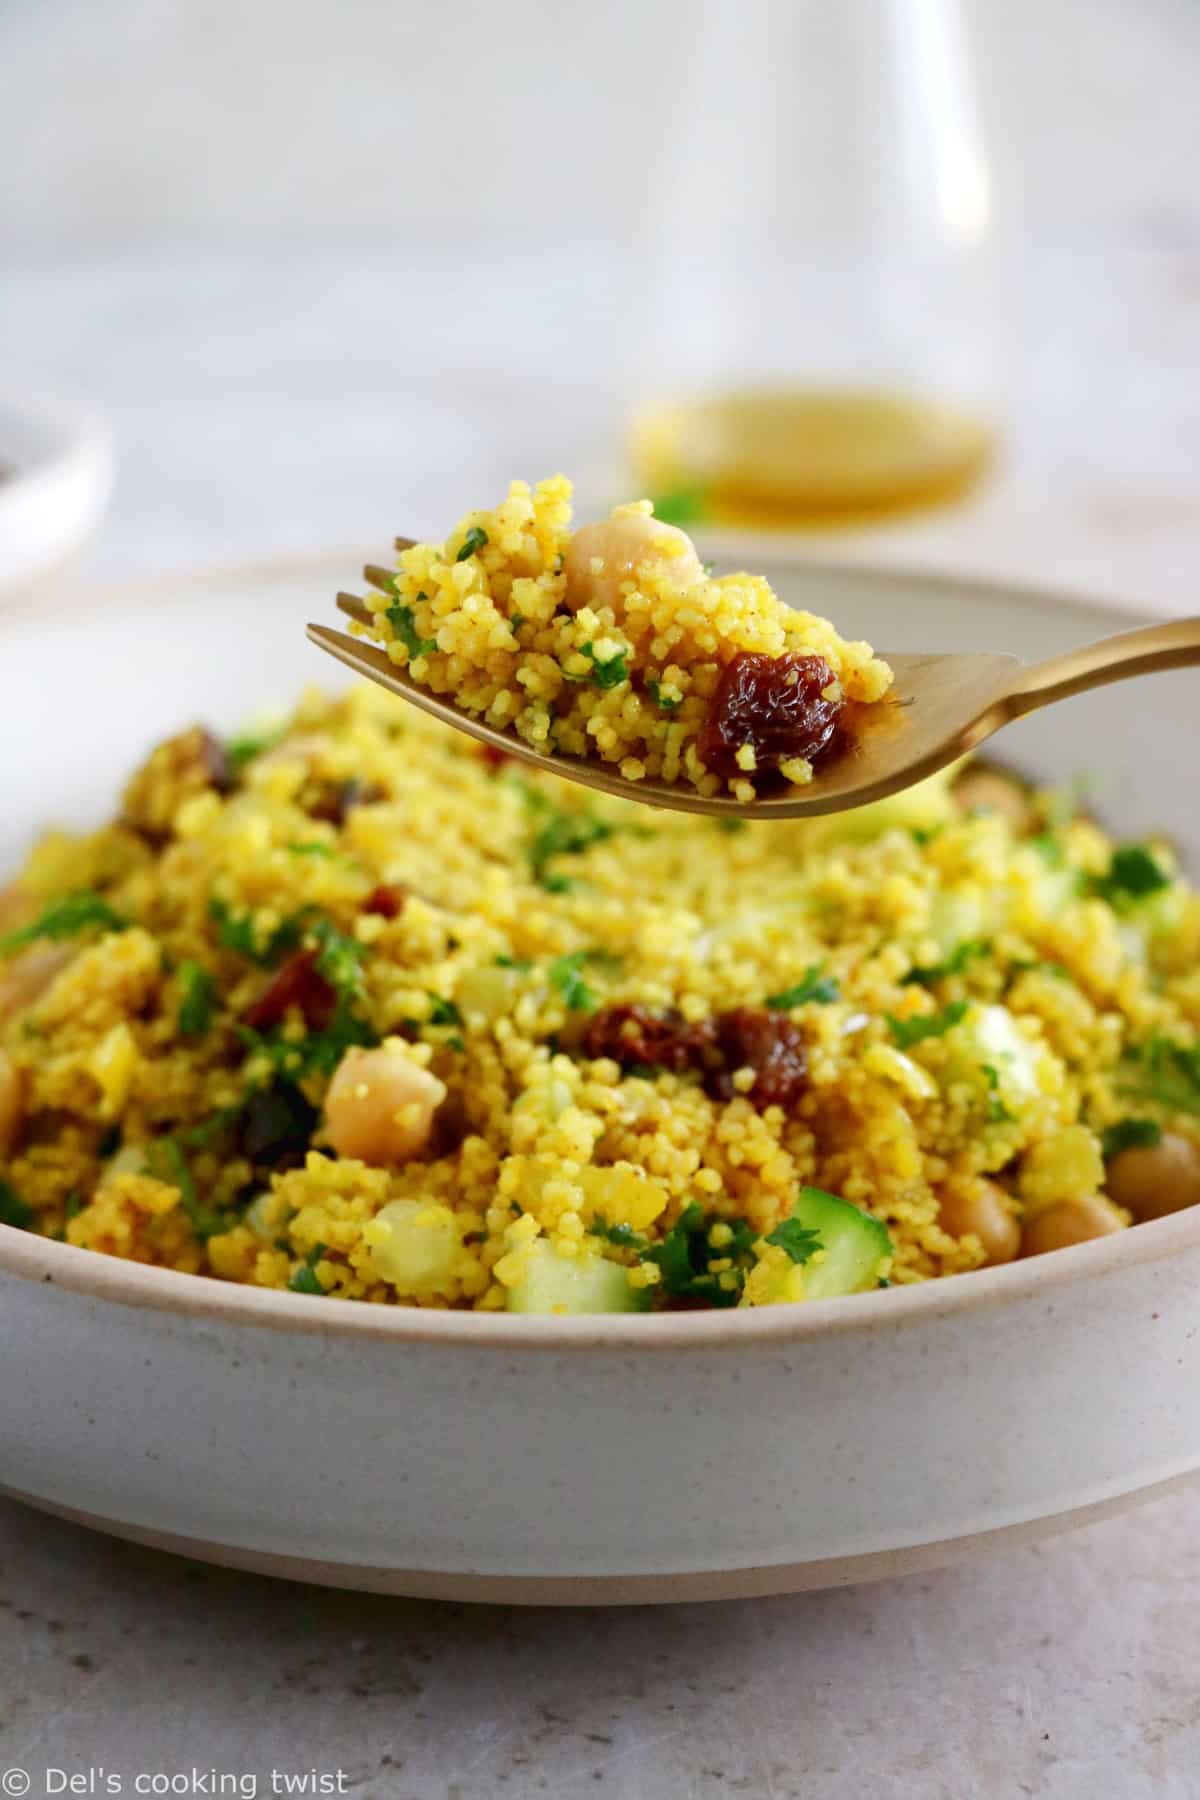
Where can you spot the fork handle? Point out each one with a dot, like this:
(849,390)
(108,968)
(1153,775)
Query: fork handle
(1175,645)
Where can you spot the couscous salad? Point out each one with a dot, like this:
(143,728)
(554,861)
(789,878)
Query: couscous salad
(354,1007)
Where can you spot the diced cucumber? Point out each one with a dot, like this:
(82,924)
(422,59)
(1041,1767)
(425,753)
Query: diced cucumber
(855,1248)
(574,1284)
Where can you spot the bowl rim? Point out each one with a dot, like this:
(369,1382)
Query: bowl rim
(93,1275)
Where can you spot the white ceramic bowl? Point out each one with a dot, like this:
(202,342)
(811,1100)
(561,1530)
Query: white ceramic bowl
(56,475)
(656,1458)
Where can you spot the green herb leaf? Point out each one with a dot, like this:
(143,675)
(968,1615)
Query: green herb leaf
(400,618)
(660,699)
(607,674)
(472,544)
(198,999)
(236,931)
(954,964)
(168,1163)
(815,988)
(565,974)
(997,1112)
(339,958)
(516,622)
(730,826)
(305,1280)
(13,1210)
(517,963)
(798,1240)
(1049,849)
(907,1032)
(312,849)
(680,506)
(559,834)
(1133,873)
(684,1255)
(243,749)
(624,1235)
(443,1012)
(1166,1072)
(66,918)
(1130,1134)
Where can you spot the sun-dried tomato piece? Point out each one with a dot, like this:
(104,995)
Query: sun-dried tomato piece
(297,983)
(775,704)
(334,804)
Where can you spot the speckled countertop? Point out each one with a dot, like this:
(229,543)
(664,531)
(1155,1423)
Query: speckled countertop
(1068,1671)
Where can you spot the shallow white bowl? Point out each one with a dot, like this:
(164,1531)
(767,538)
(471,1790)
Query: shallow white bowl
(56,476)
(660,1458)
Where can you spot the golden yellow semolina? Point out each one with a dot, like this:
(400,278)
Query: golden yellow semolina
(356,1010)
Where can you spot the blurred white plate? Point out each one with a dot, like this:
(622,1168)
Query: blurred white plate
(56,475)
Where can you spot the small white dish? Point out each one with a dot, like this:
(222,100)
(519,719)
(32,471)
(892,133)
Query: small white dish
(607,1459)
(56,476)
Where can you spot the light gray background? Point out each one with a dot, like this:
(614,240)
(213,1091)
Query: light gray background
(315,261)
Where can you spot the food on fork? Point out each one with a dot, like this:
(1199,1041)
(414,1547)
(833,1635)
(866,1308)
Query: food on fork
(614,642)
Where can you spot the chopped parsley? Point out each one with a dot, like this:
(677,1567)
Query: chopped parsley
(684,1255)
(954,964)
(314,848)
(472,544)
(400,618)
(339,958)
(1166,1072)
(243,749)
(1133,873)
(236,931)
(567,976)
(623,1235)
(305,1280)
(798,1240)
(660,699)
(66,918)
(997,1112)
(173,1169)
(680,506)
(198,999)
(908,1032)
(730,826)
(519,964)
(559,833)
(316,1053)
(815,988)
(13,1210)
(516,622)
(607,673)
(73,1204)
(1130,1134)
(443,1012)
(1049,848)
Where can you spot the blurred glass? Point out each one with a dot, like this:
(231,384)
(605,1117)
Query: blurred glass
(816,338)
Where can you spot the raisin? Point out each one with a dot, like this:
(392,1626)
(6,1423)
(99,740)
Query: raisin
(633,1035)
(334,804)
(387,900)
(175,771)
(767,1042)
(276,1125)
(297,983)
(775,704)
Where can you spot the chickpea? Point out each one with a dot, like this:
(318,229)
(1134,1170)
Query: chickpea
(30,974)
(380,1106)
(1158,1179)
(623,544)
(982,789)
(1069,1222)
(10,1103)
(976,1207)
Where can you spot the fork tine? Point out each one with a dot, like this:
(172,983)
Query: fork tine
(354,608)
(383,579)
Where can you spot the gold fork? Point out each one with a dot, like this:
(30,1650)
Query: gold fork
(943,706)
